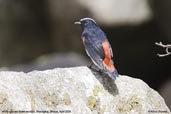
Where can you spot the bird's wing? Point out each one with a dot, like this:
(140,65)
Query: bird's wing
(96,53)
(106,40)
(110,49)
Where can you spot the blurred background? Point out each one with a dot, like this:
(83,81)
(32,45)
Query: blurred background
(40,35)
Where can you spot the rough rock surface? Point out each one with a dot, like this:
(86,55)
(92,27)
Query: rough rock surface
(76,90)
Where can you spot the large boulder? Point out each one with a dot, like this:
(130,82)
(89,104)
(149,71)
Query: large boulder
(76,90)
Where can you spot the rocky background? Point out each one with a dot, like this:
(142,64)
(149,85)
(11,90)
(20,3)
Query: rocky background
(40,34)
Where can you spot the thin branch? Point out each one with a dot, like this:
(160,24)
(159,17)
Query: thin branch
(164,46)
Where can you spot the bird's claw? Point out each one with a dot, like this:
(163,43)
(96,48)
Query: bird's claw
(95,69)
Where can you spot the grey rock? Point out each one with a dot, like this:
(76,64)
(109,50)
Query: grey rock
(77,90)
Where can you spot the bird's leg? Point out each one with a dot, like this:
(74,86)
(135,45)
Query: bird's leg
(95,69)
(90,66)
(100,70)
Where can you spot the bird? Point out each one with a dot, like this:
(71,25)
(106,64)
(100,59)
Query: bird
(97,47)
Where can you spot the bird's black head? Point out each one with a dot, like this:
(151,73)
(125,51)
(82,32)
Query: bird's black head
(86,22)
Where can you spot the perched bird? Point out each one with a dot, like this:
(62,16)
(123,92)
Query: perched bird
(97,47)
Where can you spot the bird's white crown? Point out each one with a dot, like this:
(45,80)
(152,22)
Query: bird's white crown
(87,18)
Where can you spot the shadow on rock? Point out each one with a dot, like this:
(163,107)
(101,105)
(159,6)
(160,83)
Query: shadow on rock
(106,81)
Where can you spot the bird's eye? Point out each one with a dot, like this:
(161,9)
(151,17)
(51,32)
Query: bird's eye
(87,22)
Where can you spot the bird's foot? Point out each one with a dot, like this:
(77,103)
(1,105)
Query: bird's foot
(90,66)
(95,69)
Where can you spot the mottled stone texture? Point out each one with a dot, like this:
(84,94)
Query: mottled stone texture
(77,90)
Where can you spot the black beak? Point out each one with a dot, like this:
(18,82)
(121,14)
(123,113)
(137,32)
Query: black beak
(78,23)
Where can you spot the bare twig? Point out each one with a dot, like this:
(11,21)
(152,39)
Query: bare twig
(164,46)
